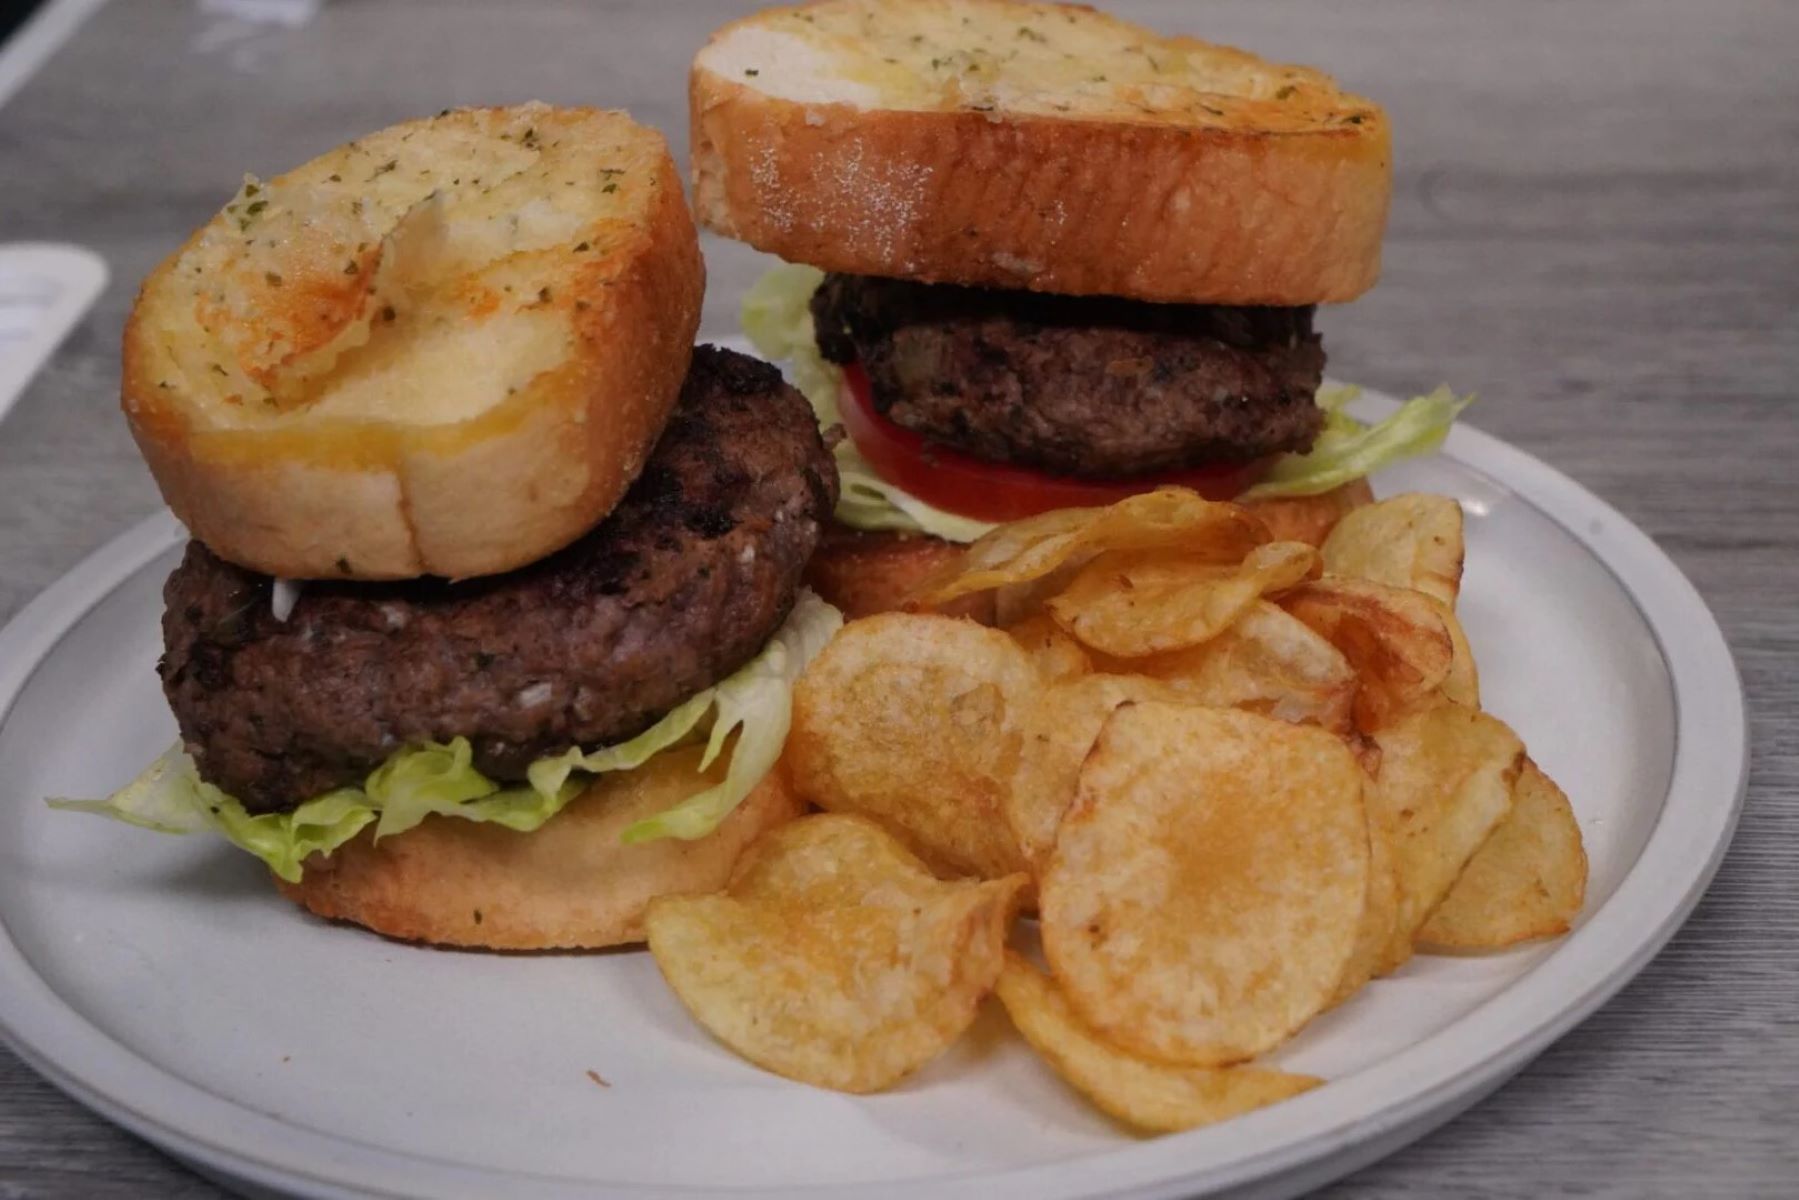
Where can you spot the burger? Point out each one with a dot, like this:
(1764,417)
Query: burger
(487,627)
(1042,258)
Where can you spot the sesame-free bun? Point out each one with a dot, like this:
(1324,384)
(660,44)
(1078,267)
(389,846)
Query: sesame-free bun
(1040,146)
(571,884)
(444,348)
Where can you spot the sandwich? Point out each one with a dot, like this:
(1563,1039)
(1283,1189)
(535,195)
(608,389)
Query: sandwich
(1041,258)
(486,631)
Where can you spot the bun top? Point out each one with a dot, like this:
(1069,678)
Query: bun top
(1045,146)
(442,348)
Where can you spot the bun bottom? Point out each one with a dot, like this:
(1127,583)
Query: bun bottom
(571,885)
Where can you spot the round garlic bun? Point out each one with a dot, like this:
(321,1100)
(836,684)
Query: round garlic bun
(442,349)
(571,884)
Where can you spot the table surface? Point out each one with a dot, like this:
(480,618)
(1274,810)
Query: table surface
(1595,224)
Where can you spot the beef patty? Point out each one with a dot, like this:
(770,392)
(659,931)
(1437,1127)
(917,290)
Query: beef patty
(683,583)
(1090,386)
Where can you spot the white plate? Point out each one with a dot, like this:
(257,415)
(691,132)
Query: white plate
(160,980)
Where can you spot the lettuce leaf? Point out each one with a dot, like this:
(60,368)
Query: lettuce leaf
(777,317)
(755,704)
(866,501)
(548,775)
(170,797)
(1347,449)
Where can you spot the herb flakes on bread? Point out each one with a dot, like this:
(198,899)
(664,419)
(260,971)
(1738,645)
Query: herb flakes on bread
(444,348)
(1047,146)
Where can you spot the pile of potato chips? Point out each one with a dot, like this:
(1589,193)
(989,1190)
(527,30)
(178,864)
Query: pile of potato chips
(1236,778)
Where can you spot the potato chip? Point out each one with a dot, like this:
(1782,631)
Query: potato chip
(829,858)
(1462,683)
(1445,784)
(1016,603)
(1267,662)
(1132,603)
(1207,883)
(1528,880)
(1394,638)
(1366,751)
(834,957)
(1168,518)
(1410,541)
(1379,912)
(861,573)
(914,720)
(1015,552)
(1309,519)
(1056,655)
(1058,733)
(1143,1094)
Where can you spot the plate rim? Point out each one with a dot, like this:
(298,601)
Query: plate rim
(1604,953)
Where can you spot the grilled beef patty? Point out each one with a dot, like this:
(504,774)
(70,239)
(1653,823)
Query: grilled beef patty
(1089,386)
(678,587)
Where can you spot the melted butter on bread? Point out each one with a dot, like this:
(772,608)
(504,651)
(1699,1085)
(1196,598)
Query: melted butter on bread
(443,348)
(1037,59)
(1044,146)
(410,275)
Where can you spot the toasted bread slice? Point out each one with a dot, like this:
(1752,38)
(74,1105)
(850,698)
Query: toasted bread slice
(1042,146)
(444,348)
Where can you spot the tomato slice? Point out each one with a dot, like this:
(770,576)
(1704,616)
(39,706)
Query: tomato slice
(965,485)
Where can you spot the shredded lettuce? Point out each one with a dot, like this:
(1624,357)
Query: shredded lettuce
(866,501)
(778,319)
(755,704)
(170,797)
(777,316)
(1347,449)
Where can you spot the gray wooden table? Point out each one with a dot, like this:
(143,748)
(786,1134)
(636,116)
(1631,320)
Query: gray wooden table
(1596,224)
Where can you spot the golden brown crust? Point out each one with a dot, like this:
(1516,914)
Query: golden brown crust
(591,305)
(569,885)
(1251,206)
